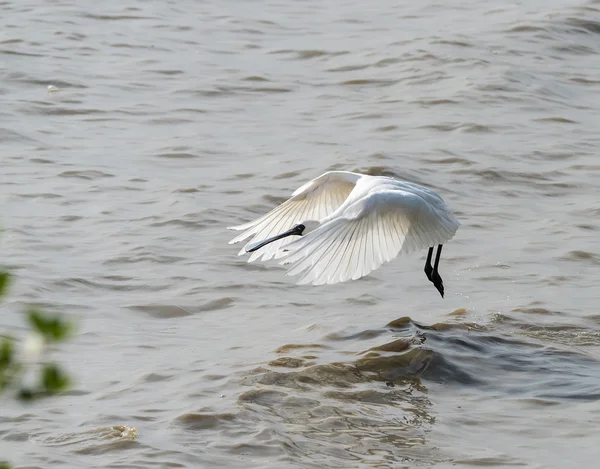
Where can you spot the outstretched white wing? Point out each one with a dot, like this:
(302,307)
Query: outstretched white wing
(373,230)
(313,201)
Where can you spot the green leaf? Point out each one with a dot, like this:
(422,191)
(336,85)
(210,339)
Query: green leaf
(7,352)
(53,328)
(4,282)
(4,465)
(6,360)
(54,380)
(37,321)
(4,380)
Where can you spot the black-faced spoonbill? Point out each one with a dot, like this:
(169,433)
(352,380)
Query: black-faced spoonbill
(350,224)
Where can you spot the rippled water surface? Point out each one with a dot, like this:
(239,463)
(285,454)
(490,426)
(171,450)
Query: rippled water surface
(173,120)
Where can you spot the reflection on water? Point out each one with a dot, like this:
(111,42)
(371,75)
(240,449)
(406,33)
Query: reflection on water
(372,408)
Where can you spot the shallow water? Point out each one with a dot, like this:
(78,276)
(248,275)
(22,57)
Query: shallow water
(174,120)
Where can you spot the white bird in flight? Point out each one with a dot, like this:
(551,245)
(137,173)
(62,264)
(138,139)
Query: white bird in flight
(349,225)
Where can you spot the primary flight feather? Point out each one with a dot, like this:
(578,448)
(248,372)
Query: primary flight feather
(349,225)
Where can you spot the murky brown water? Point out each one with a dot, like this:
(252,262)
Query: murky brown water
(177,119)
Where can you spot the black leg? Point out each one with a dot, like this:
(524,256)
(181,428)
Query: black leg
(428,269)
(435,276)
(437,257)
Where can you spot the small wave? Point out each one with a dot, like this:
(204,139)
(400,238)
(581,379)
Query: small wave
(348,68)
(14,52)
(93,441)
(455,352)
(116,17)
(168,72)
(368,81)
(454,43)
(200,421)
(559,120)
(176,155)
(167,311)
(162,311)
(375,400)
(143,257)
(526,28)
(255,78)
(460,127)
(41,161)
(307,54)
(45,195)
(170,121)
(8,135)
(387,128)
(89,174)
(63,111)
(582,256)
(583,25)
(251,89)
(289,347)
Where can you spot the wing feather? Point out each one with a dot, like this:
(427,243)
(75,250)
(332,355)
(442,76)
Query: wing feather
(314,200)
(322,242)
(332,272)
(373,230)
(346,254)
(276,225)
(368,256)
(316,269)
(350,263)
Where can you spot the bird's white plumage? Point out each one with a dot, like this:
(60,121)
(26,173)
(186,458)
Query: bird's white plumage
(364,222)
(314,200)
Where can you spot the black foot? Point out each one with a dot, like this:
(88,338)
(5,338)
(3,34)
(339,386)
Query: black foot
(437,282)
(428,271)
(432,272)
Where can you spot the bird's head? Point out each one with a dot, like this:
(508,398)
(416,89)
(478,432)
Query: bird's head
(298,230)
